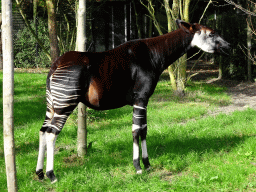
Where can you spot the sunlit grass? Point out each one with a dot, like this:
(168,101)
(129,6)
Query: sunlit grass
(188,151)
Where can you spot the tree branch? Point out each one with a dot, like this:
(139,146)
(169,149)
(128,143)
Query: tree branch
(240,7)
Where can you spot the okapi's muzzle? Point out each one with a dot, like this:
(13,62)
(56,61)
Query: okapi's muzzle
(223,47)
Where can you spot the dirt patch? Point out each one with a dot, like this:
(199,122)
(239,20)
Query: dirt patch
(243,95)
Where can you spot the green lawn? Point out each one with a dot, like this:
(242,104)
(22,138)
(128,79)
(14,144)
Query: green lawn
(188,151)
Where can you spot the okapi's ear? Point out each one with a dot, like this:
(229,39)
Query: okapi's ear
(184,25)
(196,28)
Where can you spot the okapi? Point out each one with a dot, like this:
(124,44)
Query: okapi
(126,75)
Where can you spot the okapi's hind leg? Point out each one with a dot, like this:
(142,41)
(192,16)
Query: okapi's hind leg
(63,94)
(47,139)
(139,130)
(50,140)
(40,161)
(42,137)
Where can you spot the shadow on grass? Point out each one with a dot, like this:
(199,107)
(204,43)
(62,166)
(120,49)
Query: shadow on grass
(185,146)
(28,112)
(165,152)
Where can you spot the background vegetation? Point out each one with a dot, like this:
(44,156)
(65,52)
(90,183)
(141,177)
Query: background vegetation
(234,24)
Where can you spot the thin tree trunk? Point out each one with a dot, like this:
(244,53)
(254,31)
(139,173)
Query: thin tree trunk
(171,15)
(137,20)
(35,2)
(52,27)
(249,46)
(1,51)
(81,46)
(8,87)
(182,66)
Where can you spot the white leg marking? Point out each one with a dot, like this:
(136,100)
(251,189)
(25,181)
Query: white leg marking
(42,146)
(50,139)
(135,127)
(136,106)
(144,145)
(144,149)
(136,151)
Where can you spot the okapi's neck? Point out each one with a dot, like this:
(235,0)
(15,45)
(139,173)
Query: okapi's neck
(168,48)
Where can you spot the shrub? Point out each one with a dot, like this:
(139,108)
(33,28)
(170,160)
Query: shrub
(25,53)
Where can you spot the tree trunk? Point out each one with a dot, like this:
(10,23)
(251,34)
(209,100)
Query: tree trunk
(137,20)
(172,27)
(1,51)
(182,62)
(52,27)
(81,46)
(35,2)
(249,46)
(8,87)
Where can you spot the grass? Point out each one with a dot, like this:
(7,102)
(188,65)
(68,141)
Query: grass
(188,151)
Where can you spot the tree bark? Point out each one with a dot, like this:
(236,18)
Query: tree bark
(182,66)
(35,3)
(8,87)
(81,46)
(249,46)
(52,27)
(171,27)
(1,51)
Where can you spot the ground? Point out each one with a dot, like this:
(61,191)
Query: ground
(243,95)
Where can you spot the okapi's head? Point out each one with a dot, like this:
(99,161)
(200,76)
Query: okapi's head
(204,38)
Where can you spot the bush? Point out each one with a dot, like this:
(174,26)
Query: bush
(25,53)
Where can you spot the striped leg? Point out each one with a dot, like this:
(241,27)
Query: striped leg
(139,129)
(63,94)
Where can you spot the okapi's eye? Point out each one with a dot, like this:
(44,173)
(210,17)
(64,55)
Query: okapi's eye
(211,35)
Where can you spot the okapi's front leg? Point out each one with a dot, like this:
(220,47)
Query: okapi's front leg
(143,135)
(139,129)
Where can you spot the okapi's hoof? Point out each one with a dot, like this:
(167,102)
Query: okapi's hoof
(139,172)
(40,174)
(51,176)
(148,169)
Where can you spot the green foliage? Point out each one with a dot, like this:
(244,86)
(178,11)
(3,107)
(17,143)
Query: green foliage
(188,150)
(25,53)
